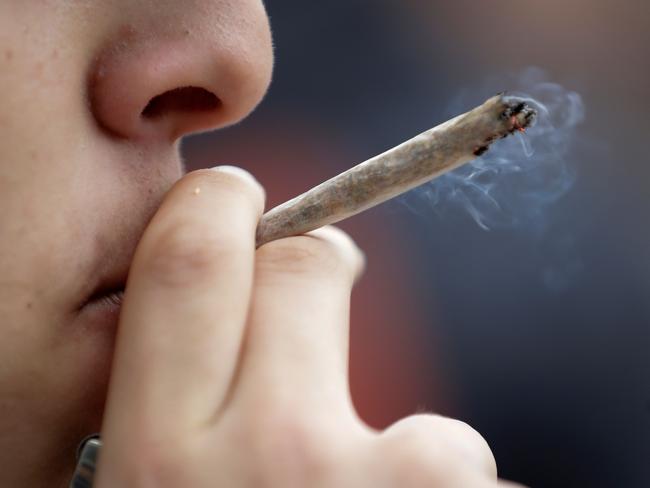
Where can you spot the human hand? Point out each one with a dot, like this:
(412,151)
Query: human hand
(230,367)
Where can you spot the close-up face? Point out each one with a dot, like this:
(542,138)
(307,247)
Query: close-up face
(94,96)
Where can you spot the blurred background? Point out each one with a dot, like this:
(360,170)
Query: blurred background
(539,339)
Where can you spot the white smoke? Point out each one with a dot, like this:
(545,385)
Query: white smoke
(515,181)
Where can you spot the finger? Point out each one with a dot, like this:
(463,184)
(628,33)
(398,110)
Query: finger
(438,441)
(297,343)
(185,305)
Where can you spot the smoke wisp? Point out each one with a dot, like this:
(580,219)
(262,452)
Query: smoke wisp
(514,182)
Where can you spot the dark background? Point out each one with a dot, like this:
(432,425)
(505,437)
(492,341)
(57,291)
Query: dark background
(452,318)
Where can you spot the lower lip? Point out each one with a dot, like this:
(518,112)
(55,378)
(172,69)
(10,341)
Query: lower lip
(103,311)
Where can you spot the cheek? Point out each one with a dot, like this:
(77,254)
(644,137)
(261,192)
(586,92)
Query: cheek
(44,141)
(43,123)
(50,387)
(42,75)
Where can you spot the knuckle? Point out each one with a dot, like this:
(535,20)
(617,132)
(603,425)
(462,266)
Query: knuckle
(413,464)
(186,253)
(465,429)
(472,444)
(325,252)
(448,441)
(412,443)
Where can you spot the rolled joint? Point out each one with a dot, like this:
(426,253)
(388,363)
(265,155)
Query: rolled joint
(399,169)
(516,115)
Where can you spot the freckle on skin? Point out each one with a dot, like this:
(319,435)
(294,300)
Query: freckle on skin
(9,54)
(29,305)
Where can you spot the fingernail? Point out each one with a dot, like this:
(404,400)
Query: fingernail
(237,171)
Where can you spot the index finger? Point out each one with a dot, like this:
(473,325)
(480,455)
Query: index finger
(296,346)
(185,306)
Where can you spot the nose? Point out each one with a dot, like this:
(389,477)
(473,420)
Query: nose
(148,85)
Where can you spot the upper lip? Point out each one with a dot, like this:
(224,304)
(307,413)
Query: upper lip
(110,242)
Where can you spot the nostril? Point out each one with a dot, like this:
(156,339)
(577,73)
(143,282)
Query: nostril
(187,99)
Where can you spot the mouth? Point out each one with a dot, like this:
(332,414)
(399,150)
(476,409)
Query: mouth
(101,311)
(111,297)
(104,303)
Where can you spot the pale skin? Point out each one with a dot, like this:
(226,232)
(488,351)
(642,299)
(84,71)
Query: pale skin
(227,365)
